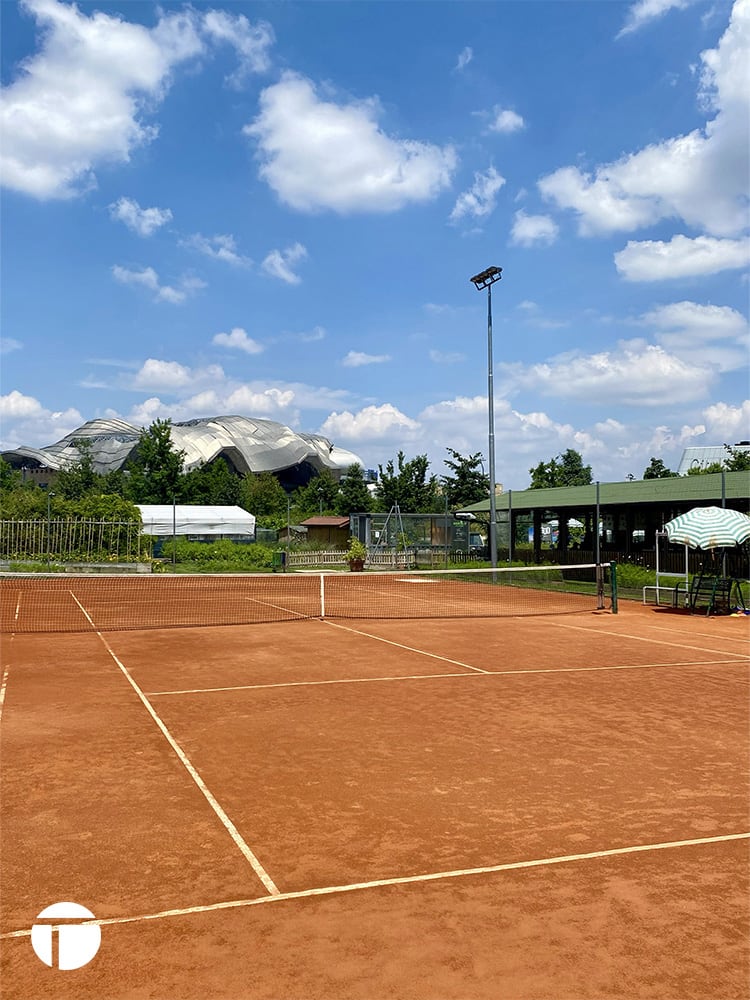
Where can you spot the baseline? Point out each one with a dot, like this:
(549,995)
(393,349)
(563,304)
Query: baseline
(400,880)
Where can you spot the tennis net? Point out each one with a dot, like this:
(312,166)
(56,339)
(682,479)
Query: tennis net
(68,603)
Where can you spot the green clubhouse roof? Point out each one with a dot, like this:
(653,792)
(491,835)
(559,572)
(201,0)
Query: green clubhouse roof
(697,489)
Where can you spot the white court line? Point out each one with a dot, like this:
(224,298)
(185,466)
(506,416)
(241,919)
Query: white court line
(279,607)
(641,638)
(403,880)
(3,687)
(291,684)
(435,677)
(4,683)
(184,760)
(400,645)
(705,635)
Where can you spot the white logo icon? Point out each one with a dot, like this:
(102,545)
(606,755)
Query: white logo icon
(63,941)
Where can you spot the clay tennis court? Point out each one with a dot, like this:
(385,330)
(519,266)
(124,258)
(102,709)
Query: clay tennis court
(548,805)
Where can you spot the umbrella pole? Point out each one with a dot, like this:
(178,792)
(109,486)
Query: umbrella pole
(723,504)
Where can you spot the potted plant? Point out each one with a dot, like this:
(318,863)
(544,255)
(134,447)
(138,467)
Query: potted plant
(356,555)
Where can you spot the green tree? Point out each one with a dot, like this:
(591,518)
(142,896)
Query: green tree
(10,478)
(20,500)
(738,461)
(704,470)
(78,478)
(468,484)
(563,470)
(263,495)
(211,483)
(320,495)
(114,483)
(353,497)
(657,470)
(407,485)
(155,466)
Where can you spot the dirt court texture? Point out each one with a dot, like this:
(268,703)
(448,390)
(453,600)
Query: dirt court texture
(527,807)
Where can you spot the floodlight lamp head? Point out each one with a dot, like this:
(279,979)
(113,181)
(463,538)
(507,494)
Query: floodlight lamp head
(487,277)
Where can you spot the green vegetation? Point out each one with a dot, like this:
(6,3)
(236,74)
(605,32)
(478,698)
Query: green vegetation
(657,470)
(222,556)
(563,470)
(467,485)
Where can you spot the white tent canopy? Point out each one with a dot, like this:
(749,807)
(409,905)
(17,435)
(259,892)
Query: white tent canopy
(164,519)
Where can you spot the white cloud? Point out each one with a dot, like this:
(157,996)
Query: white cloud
(681,257)
(727,423)
(708,336)
(143,221)
(16,404)
(369,423)
(356,359)
(506,121)
(148,278)
(238,340)
(464,57)
(85,98)
(531,230)
(317,154)
(27,422)
(251,42)
(279,263)
(248,400)
(700,177)
(317,333)
(82,99)
(635,374)
(162,374)
(8,344)
(648,10)
(480,200)
(220,247)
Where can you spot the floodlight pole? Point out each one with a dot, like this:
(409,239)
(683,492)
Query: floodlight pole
(486,279)
(50,494)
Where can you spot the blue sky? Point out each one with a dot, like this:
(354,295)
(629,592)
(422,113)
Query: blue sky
(274,209)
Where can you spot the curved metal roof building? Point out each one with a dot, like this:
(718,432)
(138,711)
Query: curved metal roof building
(246,443)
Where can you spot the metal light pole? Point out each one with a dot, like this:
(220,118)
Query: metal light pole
(50,494)
(486,279)
(288,521)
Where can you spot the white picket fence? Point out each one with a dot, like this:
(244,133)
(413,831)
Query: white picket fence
(375,560)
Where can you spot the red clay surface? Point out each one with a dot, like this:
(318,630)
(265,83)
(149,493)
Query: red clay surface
(341,759)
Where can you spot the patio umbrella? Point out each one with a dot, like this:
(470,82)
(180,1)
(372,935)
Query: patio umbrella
(709,528)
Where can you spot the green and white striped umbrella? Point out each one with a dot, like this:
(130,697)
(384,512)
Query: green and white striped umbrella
(709,528)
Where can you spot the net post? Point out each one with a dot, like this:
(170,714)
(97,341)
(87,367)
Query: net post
(322,596)
(613,585)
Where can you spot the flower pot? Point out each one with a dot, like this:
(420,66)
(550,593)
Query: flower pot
(356,565)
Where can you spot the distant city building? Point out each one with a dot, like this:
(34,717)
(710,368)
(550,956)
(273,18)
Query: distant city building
(701,458)
(246,444)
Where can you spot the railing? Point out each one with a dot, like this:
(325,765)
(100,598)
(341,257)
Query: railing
(71,540)
(392,560)
(316,559)
(375,560)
